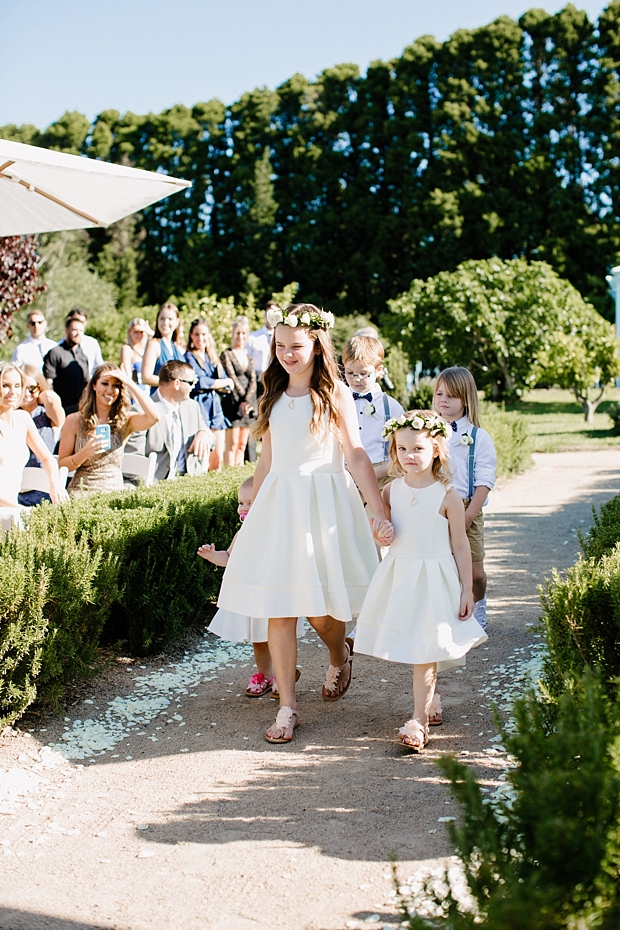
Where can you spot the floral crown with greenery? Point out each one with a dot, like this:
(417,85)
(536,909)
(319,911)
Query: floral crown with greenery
(312,318)
(433,425)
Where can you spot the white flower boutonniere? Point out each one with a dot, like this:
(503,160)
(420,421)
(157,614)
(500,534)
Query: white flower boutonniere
(466,440)
(370,410)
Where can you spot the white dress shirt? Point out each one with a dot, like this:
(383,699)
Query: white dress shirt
(259,347)
(32,351)
(485,458)
(371,424)
(175,431)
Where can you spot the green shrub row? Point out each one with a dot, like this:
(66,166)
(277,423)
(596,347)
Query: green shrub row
(544,853)
(104,568)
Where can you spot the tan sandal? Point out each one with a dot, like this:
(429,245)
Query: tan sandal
(413,736)
(334,672)
(435,711)
(283,721)
(275,694)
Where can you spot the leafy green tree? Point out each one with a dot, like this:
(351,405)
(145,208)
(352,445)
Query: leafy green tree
(512,323)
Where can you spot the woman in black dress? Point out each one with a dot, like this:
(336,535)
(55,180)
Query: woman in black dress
(239,407)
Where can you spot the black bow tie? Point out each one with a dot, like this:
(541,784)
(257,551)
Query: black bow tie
(357,396)
(454,426)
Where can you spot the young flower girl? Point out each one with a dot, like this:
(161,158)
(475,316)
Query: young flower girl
(306,548)
(419,605)
(239,629)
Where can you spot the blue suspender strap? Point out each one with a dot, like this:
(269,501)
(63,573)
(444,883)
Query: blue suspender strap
(386,413)
(471,462)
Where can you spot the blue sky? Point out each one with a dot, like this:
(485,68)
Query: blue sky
(146,55)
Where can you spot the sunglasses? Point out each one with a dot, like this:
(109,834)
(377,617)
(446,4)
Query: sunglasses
(36,322)
(185,381)
(33,389)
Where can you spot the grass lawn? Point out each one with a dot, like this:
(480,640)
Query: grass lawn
(557,421)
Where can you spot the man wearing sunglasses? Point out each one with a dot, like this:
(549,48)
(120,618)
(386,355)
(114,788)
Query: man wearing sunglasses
(33,349)
(181,439)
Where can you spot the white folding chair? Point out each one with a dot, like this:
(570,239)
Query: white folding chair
(35,479)
(140,466)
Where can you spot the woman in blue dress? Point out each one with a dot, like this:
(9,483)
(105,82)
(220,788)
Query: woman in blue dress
(202,356)
(164,346)
(132,353)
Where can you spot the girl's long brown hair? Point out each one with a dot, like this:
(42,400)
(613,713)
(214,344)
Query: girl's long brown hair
(88,406)
(322,383)
(175,332)
(210,345)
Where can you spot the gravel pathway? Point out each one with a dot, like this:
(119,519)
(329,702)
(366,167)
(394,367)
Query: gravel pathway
(156,803)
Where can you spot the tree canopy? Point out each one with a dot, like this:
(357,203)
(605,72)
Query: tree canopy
(502,140)
(513,323)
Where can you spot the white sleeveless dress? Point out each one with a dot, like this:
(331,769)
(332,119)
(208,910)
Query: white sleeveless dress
(237,629)
(14,455)
(411,611)
(306,548)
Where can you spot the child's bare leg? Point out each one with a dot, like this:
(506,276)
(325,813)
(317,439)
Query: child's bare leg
(283,649)
(424,678)
(332,632)
(262,657)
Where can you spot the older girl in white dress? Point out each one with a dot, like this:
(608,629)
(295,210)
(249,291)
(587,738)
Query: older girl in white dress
(419,605)
(306,548)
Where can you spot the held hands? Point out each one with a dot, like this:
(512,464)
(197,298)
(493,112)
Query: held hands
(466,608)
(383,531)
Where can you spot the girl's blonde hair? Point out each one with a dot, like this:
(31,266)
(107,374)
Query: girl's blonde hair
(88,406)
(240,320)
(459,382)
(29,371)
(138,321)
(11,366)
(441,462)
(325,374)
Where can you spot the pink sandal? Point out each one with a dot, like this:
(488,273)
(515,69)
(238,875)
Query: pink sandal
(275,694)
(435,712)
(259,685)
(413,736)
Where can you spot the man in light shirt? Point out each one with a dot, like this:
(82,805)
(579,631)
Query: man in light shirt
(181,440)
(33,349)
(258,347)
(89,345)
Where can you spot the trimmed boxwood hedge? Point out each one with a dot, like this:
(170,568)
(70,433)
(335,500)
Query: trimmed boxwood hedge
(104,568)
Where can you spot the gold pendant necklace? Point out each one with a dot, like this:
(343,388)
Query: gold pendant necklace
(291,404)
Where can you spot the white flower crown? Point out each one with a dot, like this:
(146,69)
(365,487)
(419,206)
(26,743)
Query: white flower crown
(433,425)
(313,319)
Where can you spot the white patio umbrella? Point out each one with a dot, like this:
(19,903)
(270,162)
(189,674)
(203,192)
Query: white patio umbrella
(45,191)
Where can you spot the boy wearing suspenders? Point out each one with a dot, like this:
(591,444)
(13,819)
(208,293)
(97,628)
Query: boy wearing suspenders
(362,358)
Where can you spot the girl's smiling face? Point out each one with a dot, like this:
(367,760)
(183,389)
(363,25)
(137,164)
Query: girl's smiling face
(450,408)
(11,389)
(167,321)
(415,451)
(295,350)
(106,389)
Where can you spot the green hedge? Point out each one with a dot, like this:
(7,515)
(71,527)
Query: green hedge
(510,432)
(105,568)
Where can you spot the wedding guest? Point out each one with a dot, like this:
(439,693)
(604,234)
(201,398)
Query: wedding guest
(201,355)
(182,442)
(240,405)
(45,408)
(66,365)
(259,348)
(132,353)
(96,460)
(18,438)
(33,350)
(164,346)
(90,346)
